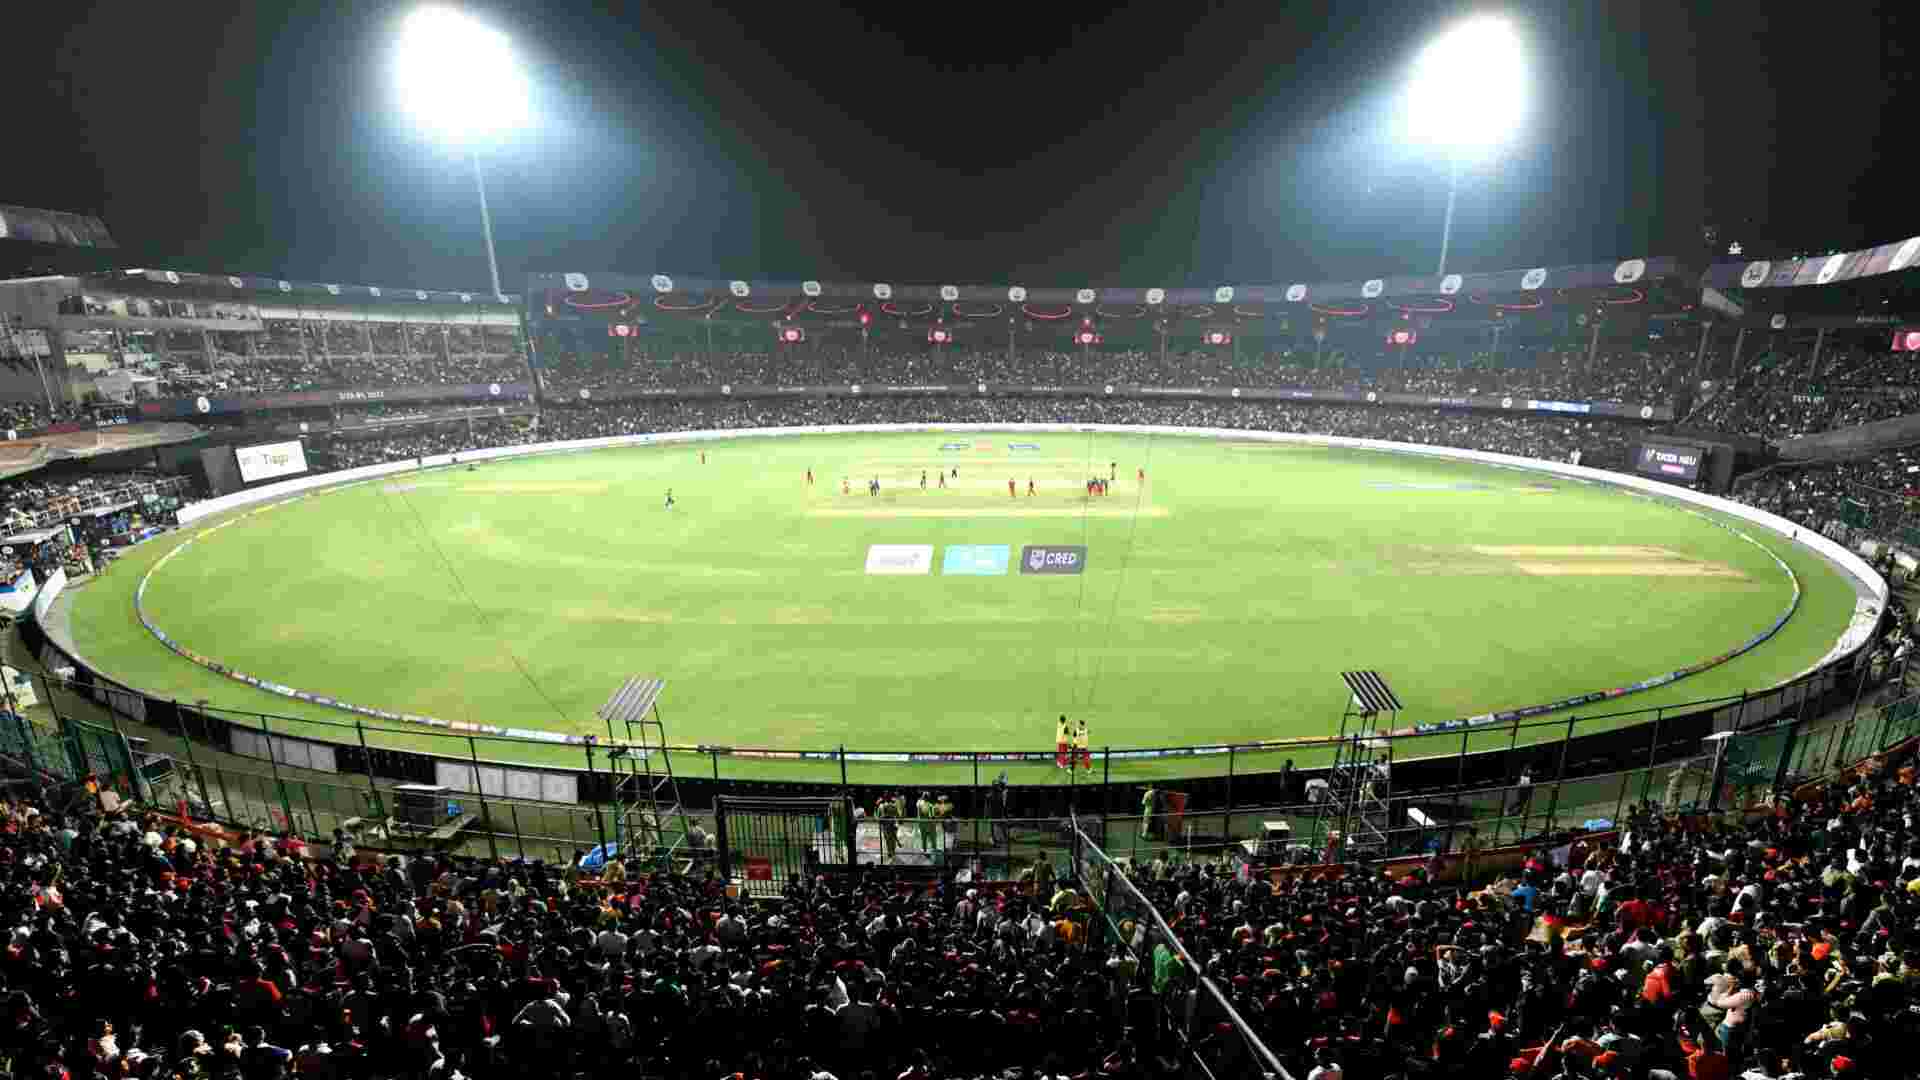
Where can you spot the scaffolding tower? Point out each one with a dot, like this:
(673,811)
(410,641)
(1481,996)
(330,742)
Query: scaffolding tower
(1353,814)
(650,821)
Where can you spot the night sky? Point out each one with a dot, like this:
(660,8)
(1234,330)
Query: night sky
(1041,143)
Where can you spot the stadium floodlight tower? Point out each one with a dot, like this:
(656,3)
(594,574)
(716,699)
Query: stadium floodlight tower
(1467,97)
(458,79)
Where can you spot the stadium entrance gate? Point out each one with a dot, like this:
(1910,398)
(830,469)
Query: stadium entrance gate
(762,840)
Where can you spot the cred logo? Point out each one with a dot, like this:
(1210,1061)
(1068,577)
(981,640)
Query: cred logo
(1050,559)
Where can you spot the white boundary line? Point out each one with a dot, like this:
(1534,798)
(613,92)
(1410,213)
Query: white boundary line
(295,490)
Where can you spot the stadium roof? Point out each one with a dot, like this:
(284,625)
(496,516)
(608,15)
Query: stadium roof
(580,293)
(55,227)
(255,288)
(1829,269)
(574,297)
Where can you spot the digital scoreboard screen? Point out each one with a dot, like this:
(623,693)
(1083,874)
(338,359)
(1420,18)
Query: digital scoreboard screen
(1670,461)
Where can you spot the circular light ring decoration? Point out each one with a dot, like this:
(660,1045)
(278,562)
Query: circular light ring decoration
(1634,296)
(1245,314)
(1203,311)
(1343,313)
(1063,313)
(963,313)
(890,309)
(1138,311)
(704,305)
(1422,308)
(601,305)
(814,306)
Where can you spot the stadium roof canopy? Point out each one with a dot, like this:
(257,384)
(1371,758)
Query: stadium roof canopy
(610,297)
(1829,269)
(258,289)
(53,227)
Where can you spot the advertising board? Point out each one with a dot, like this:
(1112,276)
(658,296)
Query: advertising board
(1669,461)
(270,460)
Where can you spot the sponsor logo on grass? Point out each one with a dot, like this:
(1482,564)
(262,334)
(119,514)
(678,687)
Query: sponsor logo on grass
(975,559)
(956,446)
(1053,559)
(900,559)
(1023,446)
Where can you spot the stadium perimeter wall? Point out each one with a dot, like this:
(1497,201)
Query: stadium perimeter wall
(1673,730)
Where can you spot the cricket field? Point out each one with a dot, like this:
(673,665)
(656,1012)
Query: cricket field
(1215,600)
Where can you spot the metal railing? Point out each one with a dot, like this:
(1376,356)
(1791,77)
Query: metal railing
(543,800)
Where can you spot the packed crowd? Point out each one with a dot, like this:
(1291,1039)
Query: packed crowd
(33,493)
(1643,376)
(1601,442)
(1873,492)
(1773,948)
(27,414)
(291,356)
(450,438)
(1779,395)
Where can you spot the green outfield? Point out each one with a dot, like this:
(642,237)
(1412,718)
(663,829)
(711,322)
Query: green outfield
(1219,599)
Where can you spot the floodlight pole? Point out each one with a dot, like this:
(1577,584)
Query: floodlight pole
(1446,228)
(486,223)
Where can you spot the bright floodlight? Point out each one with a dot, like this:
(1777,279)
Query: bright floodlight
(1469,86)
(457,77)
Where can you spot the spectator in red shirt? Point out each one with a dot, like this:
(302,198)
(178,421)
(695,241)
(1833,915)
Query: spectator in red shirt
(1658,987)
(1703,1063)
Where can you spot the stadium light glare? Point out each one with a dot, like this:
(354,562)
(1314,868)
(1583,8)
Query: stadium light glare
(458,77)
(1467,96)
(1469,87)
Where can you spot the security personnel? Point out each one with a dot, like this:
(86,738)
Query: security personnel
(929,829)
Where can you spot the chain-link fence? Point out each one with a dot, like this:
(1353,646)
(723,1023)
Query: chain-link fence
(999,816)
(72,750)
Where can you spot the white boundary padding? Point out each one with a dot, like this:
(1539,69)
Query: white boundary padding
(50,591)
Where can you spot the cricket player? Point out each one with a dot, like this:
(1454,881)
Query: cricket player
(669,498)
(846,488)
(1062,743)
(923,479)
(1029,487)
(943,481)
(1082,745)
(1010,493)
(703,457)
(1113,470)
(809,477)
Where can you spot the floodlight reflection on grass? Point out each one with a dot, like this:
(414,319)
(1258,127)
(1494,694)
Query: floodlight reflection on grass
(1469,87)
(457,77)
